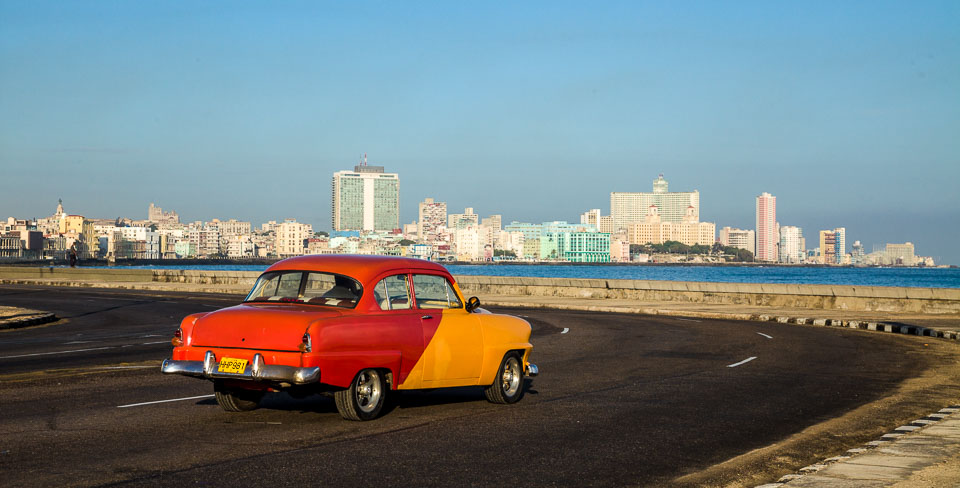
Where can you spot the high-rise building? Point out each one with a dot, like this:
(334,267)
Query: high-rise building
(629,208)
(739,238)
(792,245)
(766,228)
(832,246)
(366,199)
(432,216)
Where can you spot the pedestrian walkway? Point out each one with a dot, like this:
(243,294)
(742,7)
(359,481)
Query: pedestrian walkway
(925,453)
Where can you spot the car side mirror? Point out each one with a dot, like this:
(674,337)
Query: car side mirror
(473,303)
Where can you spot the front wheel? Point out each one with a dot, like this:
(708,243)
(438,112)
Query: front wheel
(507,387)
(365,397)
(236,399)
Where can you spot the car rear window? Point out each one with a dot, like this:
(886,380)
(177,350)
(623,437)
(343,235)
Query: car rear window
(310,287)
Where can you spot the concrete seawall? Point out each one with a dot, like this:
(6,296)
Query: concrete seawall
(818,297)
(814,297)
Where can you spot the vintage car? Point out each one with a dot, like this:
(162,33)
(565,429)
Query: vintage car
(355,327)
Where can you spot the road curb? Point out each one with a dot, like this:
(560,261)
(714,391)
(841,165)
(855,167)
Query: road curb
(42,318)
(887,439)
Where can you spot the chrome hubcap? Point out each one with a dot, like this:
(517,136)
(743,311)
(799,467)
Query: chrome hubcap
(510,381)
(368,390)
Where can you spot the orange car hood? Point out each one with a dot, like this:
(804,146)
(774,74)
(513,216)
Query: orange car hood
(275,327)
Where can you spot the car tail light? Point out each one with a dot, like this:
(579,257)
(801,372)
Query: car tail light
(306,344)
(177,340)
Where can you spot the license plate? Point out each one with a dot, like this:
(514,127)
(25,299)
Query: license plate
(231,365)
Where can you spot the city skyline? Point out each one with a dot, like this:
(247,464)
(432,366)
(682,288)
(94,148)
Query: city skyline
(847,113)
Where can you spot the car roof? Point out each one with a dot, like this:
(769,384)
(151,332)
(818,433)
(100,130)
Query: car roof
(361,267)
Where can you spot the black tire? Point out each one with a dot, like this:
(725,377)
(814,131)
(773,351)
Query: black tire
(236,399)
(365,397)
(507,387)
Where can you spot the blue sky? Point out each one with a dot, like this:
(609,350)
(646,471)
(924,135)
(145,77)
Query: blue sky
(848,112)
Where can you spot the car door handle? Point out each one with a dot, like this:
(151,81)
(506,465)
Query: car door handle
(427,317)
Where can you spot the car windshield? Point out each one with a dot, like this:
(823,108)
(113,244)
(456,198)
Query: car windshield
(310,287)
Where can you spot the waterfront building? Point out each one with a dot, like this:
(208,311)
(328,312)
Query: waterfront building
(899,255)
(185,249)
(467,243)
(511,241)
(205,239)
(653,230)
(240,246)
(739,238)
(468,218)
(80,230)
(431,217)
(792,245)
(10,246)
(531,248)
(575,247)
(140,242)
(157,215)
(291,238)
(629,208)
(766,246)
(857,254)
(619,251)
(366,198)
(832,246)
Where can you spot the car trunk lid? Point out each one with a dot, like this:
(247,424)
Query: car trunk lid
(267,326)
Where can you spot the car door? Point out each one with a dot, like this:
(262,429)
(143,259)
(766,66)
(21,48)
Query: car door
(397,322)
(454,343)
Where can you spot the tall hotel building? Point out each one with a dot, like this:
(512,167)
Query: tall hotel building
(366,199)
(766,227)
(630,208)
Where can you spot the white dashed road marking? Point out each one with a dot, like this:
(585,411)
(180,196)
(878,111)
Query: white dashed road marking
(126,367)
(688,320)
(56,352)
(81,350)
(165,401)
(765,335)
(745,361)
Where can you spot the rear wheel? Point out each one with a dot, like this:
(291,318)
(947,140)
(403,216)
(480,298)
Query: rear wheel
(364,399)
(236,399)
(507,387)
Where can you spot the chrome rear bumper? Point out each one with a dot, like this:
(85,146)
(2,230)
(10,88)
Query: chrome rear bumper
(532,370)
(256,371)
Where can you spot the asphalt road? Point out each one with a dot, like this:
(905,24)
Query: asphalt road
(621,400)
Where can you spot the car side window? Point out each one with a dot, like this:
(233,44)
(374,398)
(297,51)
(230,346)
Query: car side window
(434,291)
(392,293)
